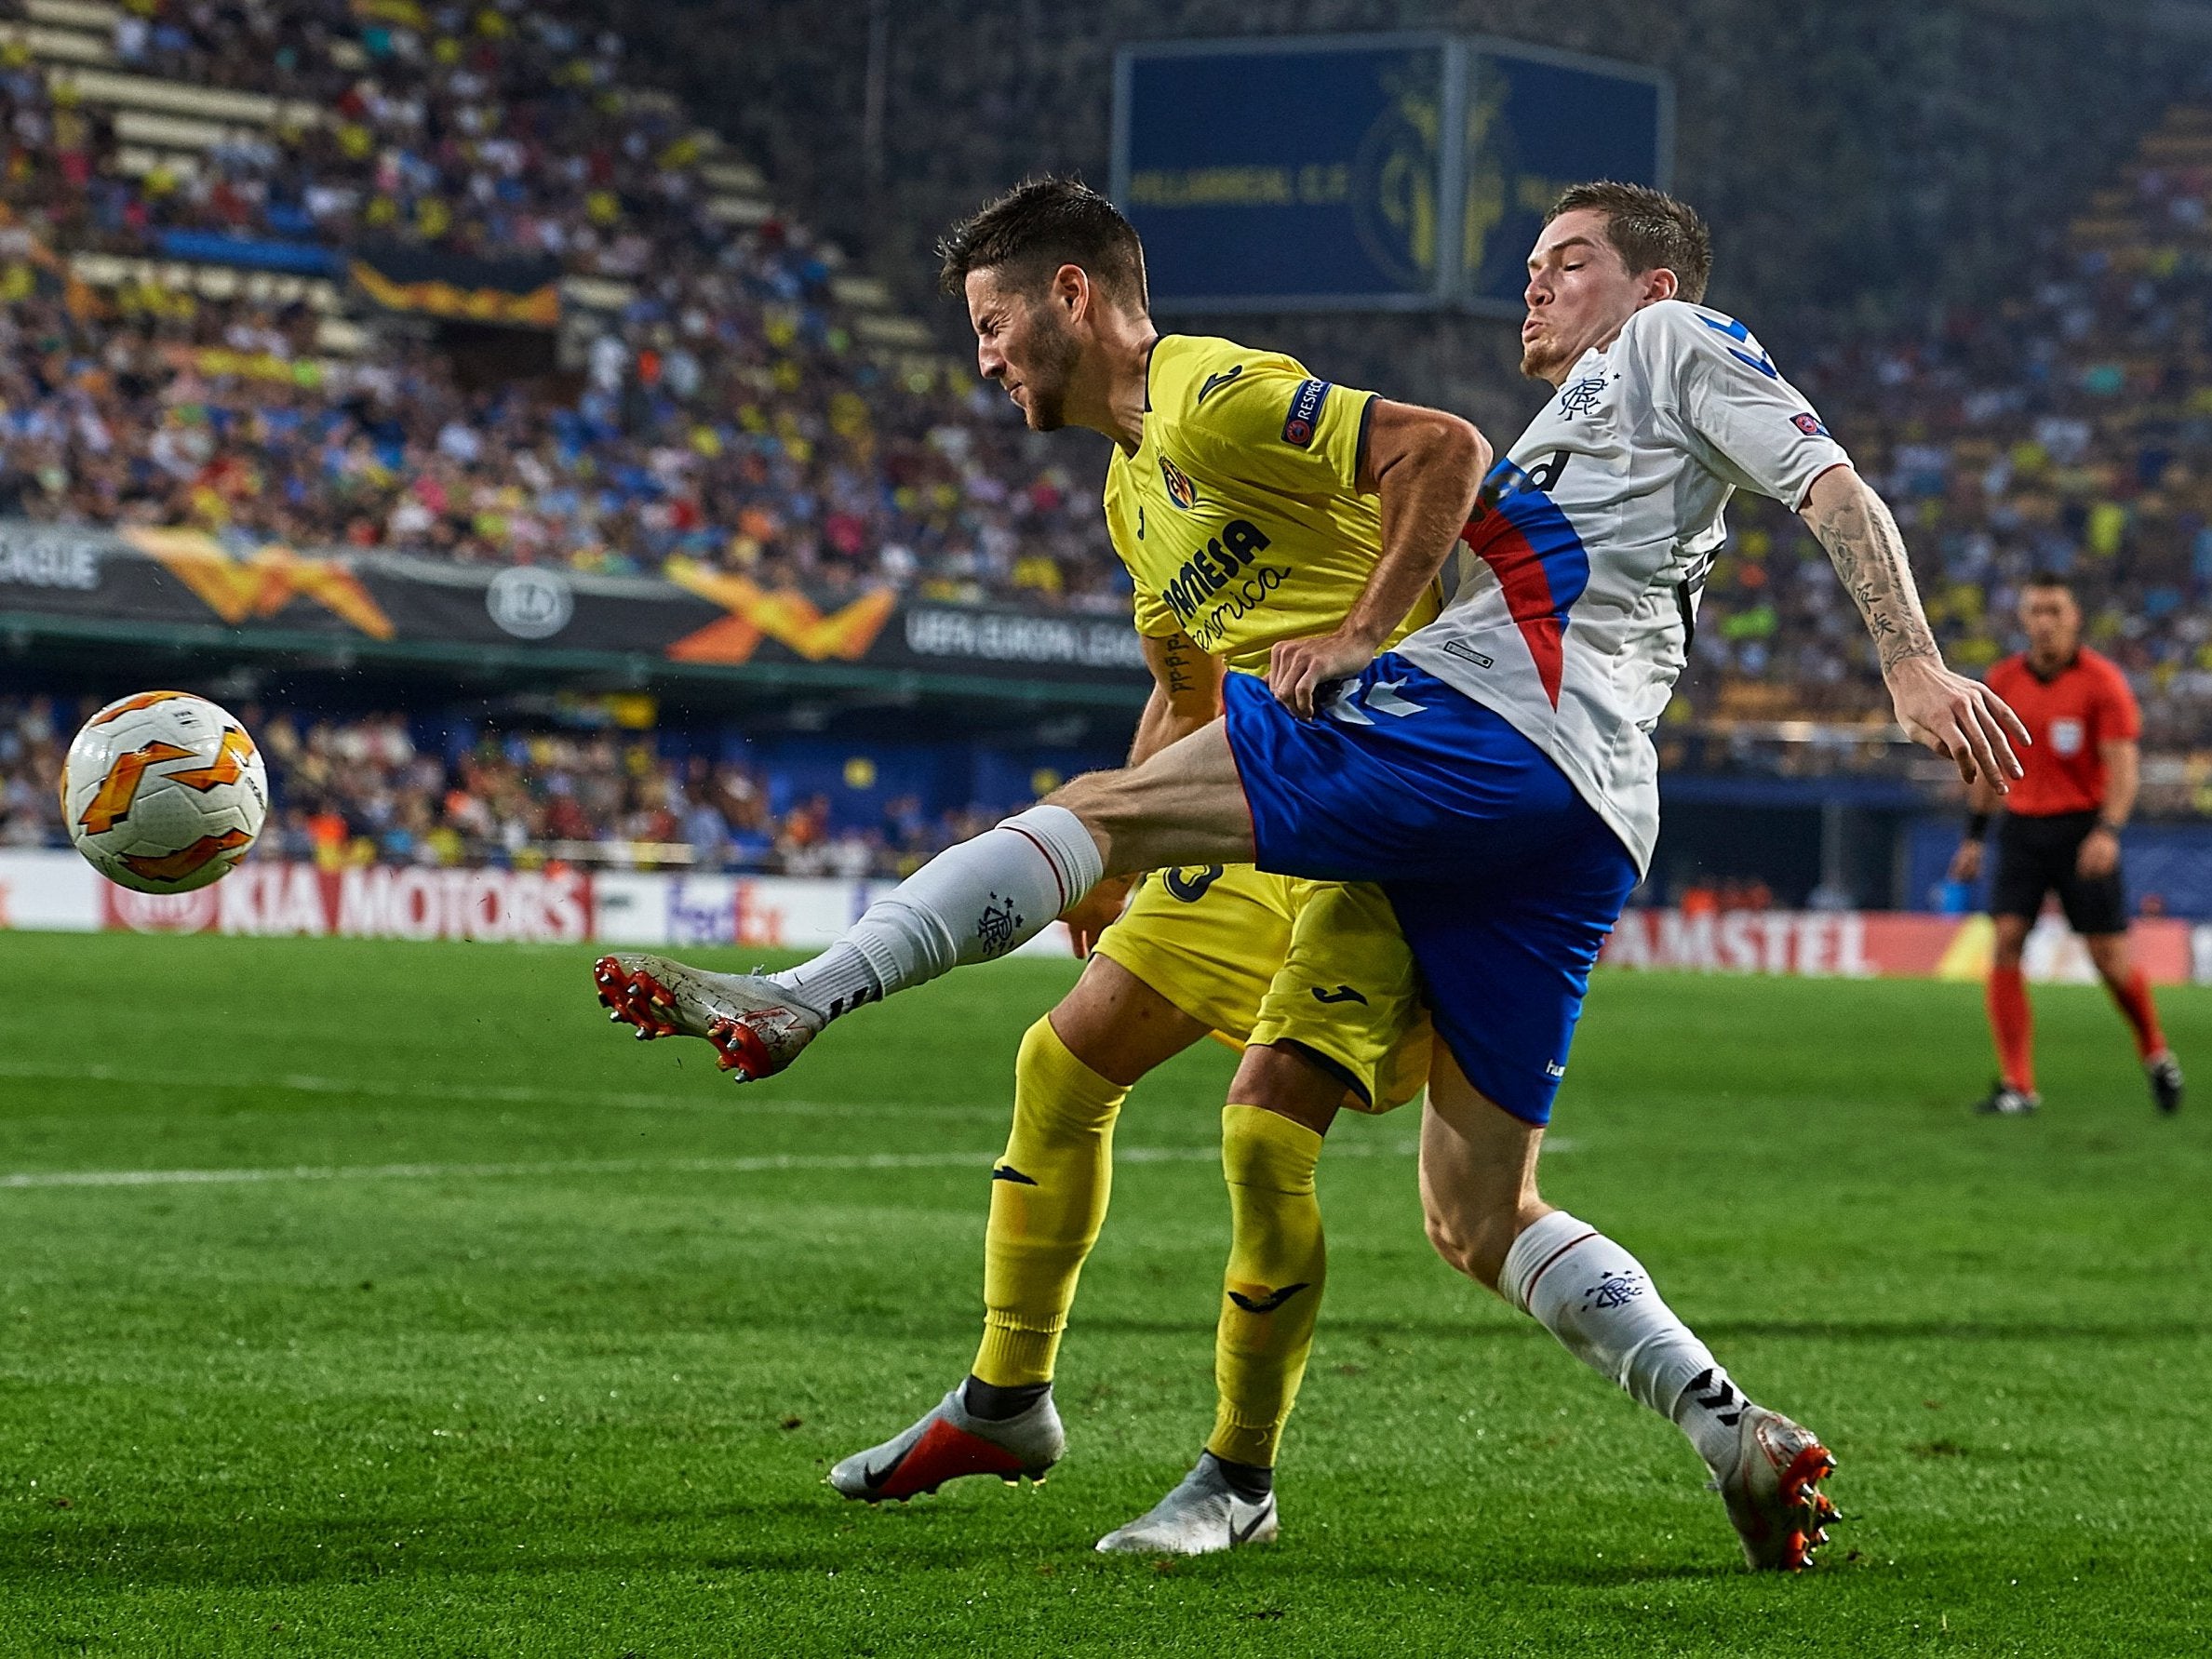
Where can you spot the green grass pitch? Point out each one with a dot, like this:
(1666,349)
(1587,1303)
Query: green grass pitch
(523,1338)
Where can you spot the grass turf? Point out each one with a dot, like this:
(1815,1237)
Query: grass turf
(563,1374)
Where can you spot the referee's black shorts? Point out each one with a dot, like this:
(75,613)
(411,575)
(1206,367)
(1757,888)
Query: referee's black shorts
(2036,856)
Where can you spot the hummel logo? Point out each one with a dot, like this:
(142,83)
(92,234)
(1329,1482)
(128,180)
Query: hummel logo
(1553,1068)
(1215,381)
(1267,1304)
(1140,521)
(1342,993)
(1722,1401)
(1007,1172)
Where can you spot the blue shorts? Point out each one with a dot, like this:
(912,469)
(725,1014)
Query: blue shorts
(1505,880)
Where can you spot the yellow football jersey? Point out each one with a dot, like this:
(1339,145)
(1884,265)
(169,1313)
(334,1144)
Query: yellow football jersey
(1239,515)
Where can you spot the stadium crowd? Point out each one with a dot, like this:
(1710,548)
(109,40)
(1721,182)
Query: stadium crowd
(2066,428)
(725,413)
(366,791)
(729,414)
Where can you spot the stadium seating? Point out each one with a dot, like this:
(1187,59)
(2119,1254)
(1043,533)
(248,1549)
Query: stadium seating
(733,395)
(377,789)
(2066,426)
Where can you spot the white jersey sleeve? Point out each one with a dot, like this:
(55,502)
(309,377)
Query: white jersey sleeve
(1574,596)
(1754,427)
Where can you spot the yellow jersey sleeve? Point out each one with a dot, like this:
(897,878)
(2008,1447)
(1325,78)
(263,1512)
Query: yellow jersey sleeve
(1277,427)
(1153,617)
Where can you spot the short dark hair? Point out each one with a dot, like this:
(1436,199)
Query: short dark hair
(1041,225)
(2052,579)
(1649,229)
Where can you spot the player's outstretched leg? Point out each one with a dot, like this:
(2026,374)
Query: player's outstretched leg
(1479,1190)
(971,902)
(756,1027)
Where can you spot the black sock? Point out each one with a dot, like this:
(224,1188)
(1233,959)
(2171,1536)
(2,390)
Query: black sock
(1249,1481)
(994,1404)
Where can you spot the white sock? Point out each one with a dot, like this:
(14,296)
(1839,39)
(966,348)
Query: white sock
(969,903)
(1600,1303)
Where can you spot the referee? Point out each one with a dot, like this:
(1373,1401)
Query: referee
(2060,834)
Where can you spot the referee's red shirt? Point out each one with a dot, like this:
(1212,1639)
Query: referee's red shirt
(2084,704)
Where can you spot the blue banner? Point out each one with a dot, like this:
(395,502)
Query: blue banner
(300,258)
(1275,175)
(1365,172)
(1536,124)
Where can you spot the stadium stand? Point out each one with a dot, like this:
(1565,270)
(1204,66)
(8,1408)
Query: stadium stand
(185,341)
(2066,426)
(733,395)
(381,788)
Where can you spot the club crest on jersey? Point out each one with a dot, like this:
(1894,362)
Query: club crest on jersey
(1582,396)
(1809,424)
(1181,490)
(1304,418)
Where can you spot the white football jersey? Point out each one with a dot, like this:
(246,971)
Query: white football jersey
(1571,606)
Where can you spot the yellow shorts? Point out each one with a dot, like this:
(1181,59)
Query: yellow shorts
(1274,959)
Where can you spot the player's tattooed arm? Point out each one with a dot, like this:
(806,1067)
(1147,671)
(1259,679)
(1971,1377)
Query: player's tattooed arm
(1186,693)
(1959,718)
(1864,543)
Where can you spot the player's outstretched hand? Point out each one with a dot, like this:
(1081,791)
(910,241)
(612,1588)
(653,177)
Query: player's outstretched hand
(1960,719)
(1297,669)
(1096,911)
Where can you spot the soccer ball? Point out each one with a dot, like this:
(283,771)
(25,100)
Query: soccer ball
(164,792)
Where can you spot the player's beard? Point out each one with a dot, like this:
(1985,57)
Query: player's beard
(1539,358)
(1046,379)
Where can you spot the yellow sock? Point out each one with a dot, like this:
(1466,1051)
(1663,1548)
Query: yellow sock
(1048,1198)
(1273,1287)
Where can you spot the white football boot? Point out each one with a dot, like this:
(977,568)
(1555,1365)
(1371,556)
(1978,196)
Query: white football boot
(1201,1515)
(951,1441)
(1772,1489)
(758,1027)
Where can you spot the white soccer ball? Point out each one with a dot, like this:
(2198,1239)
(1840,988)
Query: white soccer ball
(164,792)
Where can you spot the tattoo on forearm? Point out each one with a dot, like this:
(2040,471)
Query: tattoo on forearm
(1181,671)
(1864,544)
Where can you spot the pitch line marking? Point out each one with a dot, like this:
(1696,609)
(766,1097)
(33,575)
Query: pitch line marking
(28,1179)
(21,1179)
(525,1095)
(497,1093)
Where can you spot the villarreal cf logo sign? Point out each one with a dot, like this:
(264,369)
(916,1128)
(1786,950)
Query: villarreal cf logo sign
(1181,490)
